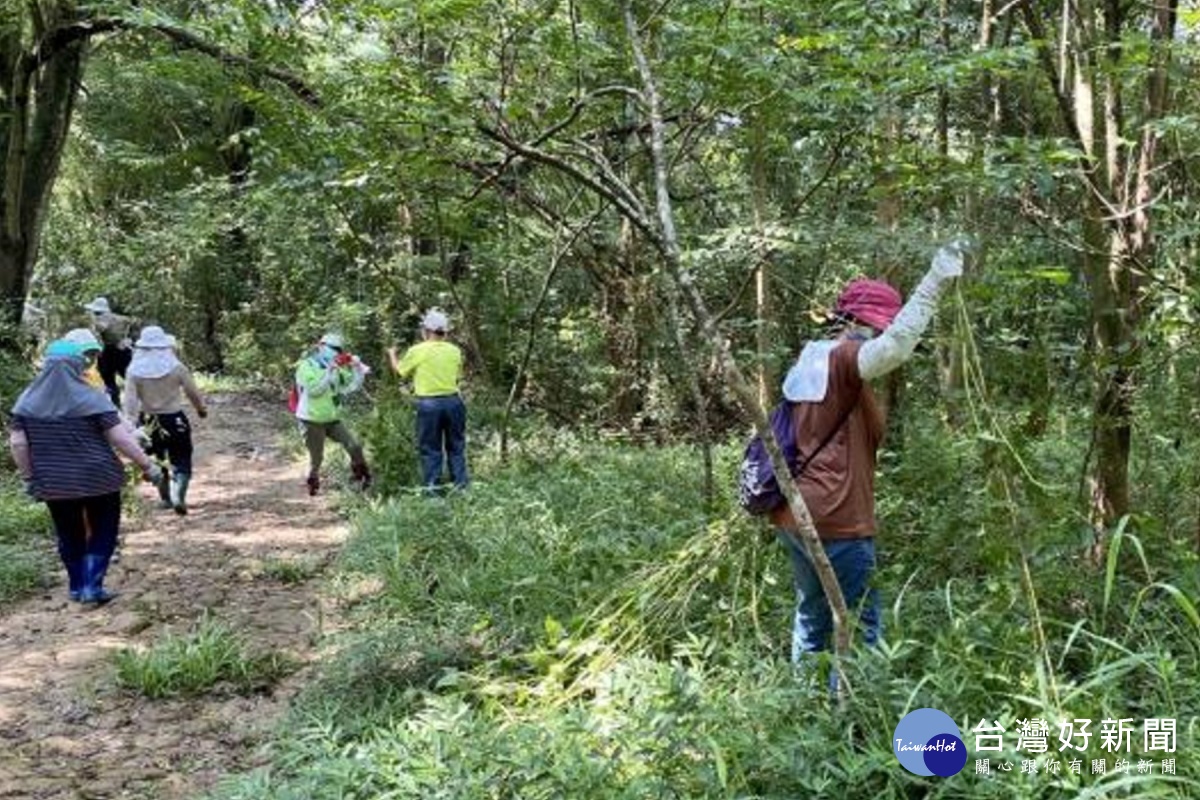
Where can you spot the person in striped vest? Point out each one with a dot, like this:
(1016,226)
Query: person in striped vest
(64,437)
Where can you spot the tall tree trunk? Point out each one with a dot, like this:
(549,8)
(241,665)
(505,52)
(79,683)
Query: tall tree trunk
(1117,181)
(235,253)
(39,100)
(887,215)
(42,50)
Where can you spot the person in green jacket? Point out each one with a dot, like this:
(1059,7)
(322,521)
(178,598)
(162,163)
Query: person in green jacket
(323,378)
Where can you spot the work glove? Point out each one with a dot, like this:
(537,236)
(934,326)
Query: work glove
(948,260)
(153,473)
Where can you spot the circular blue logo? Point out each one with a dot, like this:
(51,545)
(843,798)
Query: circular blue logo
(927,742)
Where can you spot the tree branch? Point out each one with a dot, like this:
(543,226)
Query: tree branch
(562,165)
(578,107)
(64,36)
(807,535)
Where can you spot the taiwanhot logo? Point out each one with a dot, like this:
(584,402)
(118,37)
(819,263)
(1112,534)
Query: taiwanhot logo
(927,742)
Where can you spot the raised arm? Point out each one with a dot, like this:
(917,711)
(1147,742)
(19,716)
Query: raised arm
(895,345)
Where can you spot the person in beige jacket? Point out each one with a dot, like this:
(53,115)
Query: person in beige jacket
(155,385)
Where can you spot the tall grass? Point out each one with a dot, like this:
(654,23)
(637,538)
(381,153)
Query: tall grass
(577,629)
(27,558)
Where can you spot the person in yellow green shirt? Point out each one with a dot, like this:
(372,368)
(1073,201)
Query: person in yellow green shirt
(323,377)
(435,365)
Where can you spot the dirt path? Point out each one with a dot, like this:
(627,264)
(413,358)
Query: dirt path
(66,731)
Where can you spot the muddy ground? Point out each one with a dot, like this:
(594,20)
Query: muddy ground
(67,730)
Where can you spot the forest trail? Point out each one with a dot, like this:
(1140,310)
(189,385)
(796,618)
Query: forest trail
(67,731)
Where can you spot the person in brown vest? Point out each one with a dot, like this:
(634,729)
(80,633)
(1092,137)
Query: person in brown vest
(835,407)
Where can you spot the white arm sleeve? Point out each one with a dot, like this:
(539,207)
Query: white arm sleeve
(131,404)
(894,346)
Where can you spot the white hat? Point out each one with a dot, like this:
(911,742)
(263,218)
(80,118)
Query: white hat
(99,306)
(333,340)
(154,337)
(435,320)
(84,339)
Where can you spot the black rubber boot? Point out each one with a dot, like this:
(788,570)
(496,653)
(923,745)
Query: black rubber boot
(179,488)
(164,489)
(361,475)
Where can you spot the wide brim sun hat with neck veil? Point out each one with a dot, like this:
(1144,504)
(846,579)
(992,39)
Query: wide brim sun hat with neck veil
(59,391)
(333,340)
(154,354)
(153,337)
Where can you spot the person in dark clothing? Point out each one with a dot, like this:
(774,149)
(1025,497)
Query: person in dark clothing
(114,332)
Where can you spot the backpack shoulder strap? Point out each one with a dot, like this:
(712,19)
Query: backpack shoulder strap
(828,437)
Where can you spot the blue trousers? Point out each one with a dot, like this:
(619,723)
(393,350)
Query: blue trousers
(87,535)
(853,562)
(442,437)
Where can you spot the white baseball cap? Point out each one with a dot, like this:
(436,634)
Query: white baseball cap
(99,306)
(435,320)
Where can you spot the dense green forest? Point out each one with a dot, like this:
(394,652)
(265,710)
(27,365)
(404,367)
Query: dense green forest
(636,212)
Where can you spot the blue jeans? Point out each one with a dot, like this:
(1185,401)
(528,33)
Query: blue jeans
(853,562)
(441,437)
(87,535)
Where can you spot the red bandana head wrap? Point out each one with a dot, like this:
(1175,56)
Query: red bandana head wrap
(871,302)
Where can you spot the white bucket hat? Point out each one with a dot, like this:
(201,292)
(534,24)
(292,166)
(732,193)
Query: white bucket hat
(82,338)
(99,306)
(154,337)
(435,320)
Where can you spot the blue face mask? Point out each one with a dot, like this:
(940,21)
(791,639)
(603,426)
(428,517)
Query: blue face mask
(326,354)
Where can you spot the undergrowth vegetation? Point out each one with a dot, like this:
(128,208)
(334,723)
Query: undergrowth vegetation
(576,627)
(26,541)
(209,657)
